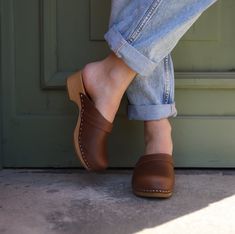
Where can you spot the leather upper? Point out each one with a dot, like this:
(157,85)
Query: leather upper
(93,132)
(154,173)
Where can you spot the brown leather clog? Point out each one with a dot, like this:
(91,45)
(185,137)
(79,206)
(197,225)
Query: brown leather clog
(153,176)
(92,129)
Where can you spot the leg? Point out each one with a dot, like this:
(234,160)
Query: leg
(151,99)
(109,77)
(153,175)
(140,40)
(138,46)
(105,82)
(157,134)
(146,31)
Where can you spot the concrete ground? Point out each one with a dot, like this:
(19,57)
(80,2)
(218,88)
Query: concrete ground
(75,201)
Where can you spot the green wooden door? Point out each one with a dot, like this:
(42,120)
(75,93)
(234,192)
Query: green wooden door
(43,41)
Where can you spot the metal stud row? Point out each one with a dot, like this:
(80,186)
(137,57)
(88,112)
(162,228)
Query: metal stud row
(80,132)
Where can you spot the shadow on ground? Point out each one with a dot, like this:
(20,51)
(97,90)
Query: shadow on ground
(75,201)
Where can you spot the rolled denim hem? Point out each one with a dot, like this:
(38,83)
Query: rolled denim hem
(132,57)
(151,112)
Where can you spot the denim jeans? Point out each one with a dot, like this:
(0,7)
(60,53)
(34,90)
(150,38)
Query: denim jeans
(143,33)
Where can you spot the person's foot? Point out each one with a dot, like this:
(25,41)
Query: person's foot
(157,136)
(153,175)
(105,82)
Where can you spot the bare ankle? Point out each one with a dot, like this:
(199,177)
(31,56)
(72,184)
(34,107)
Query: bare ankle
(117,70)
(105,93)
(158,137)
(105,82)
(109,71)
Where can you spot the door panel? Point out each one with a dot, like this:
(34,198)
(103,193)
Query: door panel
(43,41)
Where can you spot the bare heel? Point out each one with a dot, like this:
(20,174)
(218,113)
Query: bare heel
(75,87)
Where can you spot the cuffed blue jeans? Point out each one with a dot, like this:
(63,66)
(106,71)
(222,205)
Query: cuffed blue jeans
(143,33)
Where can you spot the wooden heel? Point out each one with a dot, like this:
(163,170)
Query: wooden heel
(75,87)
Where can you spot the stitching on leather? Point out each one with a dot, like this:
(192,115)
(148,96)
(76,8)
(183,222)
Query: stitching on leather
(154,190)
(79,137)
